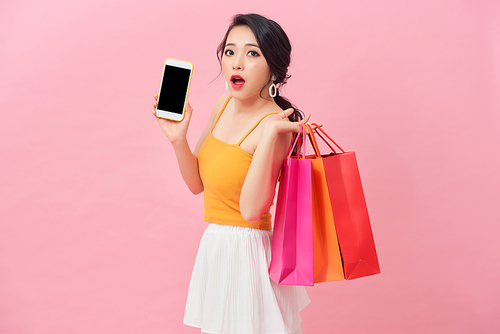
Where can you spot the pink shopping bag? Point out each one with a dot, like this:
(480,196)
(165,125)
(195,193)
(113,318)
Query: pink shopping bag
(292,243)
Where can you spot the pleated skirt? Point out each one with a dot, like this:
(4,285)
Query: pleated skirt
(230,290)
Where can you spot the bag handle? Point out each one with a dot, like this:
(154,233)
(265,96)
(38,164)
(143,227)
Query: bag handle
(301,133)
(312,139)
(292,144)
(326,142)
(324,133)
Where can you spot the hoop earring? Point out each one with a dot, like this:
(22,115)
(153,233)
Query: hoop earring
(273,91)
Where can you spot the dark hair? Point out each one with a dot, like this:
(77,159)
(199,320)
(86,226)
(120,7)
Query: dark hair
(275,47)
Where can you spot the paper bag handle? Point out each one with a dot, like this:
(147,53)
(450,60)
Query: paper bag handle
(302,132)
(318,128)
(313,141)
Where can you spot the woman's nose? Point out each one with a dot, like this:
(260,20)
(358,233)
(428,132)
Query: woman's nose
(238,63)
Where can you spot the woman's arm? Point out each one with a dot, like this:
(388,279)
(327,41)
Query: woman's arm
(258,189)
(176,133)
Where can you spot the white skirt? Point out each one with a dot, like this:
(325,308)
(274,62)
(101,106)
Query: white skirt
(230,290)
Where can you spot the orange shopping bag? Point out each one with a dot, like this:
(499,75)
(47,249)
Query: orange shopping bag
(327,259)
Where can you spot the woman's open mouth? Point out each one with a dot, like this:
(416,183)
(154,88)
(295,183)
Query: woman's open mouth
(237,81)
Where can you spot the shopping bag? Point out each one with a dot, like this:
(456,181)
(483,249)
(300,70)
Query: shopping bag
(327,260)
(350,213)
(292,246)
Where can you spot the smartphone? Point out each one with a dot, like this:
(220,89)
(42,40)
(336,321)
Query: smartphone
(174,89)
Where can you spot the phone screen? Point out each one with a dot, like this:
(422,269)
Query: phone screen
(173,89)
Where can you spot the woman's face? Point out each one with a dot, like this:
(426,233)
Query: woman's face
(245,68)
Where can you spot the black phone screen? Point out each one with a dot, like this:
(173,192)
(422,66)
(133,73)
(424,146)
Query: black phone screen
(173,89)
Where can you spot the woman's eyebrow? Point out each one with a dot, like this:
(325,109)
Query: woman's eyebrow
(247,44)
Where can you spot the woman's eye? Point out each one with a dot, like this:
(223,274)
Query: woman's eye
(228,52)
(253,54)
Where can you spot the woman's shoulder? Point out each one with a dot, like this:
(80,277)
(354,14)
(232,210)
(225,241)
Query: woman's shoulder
(221,100)
(219,103)
(270,109)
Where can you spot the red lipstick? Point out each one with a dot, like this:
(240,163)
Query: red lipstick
(237,81)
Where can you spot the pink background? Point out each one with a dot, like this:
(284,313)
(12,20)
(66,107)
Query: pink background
(98,233)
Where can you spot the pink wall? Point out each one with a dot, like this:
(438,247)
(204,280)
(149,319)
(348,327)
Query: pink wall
(98,233)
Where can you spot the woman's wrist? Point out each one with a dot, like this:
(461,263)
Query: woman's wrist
(178,142)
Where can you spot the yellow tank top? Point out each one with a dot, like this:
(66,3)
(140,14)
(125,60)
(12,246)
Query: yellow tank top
(223,168)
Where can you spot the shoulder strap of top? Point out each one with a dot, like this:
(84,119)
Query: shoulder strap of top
(220,112)
(253,127)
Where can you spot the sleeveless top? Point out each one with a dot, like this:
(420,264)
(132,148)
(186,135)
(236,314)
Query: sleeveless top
(223,168)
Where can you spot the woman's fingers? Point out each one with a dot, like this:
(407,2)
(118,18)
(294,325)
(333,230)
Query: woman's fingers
(314,127)
(189,109)
(289,111)
(305,119)
(155,104)
(286,113)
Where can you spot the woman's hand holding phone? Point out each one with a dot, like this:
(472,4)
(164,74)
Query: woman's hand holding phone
(174,130)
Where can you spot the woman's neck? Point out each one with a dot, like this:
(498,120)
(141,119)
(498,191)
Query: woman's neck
(251,106)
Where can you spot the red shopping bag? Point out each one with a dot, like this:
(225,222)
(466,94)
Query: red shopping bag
(292,244)
(350,213)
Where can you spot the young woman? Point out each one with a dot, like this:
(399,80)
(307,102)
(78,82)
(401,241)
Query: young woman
(236,163)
